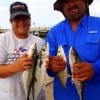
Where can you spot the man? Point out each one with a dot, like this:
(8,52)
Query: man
(13,60)
(81,31)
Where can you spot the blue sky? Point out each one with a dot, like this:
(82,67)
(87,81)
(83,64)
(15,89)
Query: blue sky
(42,13)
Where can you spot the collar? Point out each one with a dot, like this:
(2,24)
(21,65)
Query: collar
(83,21)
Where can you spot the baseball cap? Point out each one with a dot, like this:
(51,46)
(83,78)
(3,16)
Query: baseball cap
(18,8)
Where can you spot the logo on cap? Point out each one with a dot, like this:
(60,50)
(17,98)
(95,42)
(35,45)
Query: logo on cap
(18,7)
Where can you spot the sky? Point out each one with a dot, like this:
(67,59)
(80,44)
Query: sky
(42,13)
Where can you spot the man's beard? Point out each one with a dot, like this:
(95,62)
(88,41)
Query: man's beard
(76,17)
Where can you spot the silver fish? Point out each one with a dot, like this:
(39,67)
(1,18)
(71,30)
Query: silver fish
(27,75)
(41,72)
(63,75)
(74,58)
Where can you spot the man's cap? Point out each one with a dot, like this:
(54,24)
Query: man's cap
(18,8)
(58,4)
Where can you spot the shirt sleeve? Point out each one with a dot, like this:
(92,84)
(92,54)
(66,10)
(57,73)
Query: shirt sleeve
(52,49)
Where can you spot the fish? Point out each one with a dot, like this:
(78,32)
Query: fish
(41,73)
(74,58)
(28,75)
(44,53)
(63,75)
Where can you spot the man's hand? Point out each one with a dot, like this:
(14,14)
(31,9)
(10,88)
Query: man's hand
(56,63)
(23,63)
(82,71)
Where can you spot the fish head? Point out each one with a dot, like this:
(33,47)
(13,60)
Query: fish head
(61,53)
(44,53)
(73,55)
(32,50)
